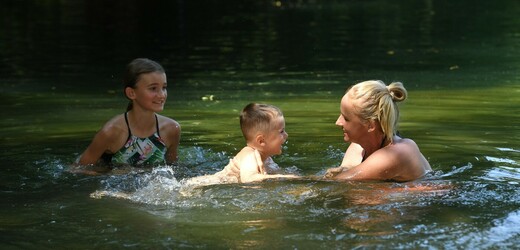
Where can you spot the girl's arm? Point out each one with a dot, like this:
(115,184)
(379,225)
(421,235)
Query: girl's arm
(98,146)
(173,136)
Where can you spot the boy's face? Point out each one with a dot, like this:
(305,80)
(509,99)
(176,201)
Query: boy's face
(276,137)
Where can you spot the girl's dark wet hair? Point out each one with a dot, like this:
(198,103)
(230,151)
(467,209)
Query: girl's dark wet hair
(135,69)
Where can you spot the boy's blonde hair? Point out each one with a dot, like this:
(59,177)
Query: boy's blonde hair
(376,101)
(256,118)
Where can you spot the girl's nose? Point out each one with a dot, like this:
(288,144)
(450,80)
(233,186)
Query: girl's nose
(163,93)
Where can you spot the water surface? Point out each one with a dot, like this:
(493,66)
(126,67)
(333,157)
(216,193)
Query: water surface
(59,79)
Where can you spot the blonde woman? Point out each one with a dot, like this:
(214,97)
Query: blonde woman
(369,116)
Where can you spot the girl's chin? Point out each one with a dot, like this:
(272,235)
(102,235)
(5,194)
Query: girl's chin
(158,109)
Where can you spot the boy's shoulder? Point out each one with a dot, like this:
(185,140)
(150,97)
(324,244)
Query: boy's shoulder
(250,157)
(245,153)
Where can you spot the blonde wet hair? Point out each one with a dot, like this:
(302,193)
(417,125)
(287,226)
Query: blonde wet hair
(256,117)
(376,101)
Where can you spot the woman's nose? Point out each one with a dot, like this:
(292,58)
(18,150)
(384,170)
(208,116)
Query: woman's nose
(339,121)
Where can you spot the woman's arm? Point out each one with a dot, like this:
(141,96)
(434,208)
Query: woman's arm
(353,157)
(384,164)
(400,161)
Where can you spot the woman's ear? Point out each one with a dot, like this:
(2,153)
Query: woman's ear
(372,125)
(130,93)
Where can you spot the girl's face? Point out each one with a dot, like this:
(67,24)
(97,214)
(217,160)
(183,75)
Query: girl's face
(276,137)
(150,91)
(353,127)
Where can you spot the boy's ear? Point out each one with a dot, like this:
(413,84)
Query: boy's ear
(260,140)
(130,93)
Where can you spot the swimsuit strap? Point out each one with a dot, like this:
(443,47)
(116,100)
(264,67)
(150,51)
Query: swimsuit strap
(157,126)
(130,131)
(128,125)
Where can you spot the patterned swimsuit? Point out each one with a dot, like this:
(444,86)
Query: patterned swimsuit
(141,151)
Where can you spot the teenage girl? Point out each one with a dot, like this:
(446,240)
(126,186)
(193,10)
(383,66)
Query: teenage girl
(139,136)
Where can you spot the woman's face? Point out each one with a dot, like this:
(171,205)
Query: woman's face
(353,127)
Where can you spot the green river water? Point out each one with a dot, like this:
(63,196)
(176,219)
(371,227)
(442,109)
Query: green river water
(60,81)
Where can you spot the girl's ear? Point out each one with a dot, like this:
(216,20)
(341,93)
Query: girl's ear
(130,93)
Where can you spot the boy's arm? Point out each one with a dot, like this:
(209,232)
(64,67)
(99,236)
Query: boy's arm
(353,156)
(252,169)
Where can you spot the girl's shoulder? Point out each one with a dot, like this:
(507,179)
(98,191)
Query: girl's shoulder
(113,131)
(116,125)
(168,123)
